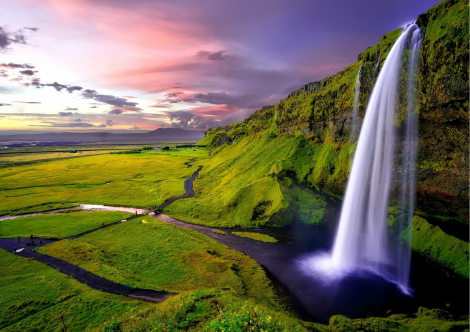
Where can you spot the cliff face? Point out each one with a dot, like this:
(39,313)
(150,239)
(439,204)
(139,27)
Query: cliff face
(320,115)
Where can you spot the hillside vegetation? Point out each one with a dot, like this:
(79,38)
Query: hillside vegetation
(276,166)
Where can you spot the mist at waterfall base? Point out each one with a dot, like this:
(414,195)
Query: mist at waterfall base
(383,163)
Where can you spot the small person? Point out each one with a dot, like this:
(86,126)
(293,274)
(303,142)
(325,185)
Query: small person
(40,240)
(19,239)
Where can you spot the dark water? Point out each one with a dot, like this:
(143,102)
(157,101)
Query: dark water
(359,294)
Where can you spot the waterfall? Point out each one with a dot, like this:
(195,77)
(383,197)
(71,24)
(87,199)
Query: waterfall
(377,66)
(409,159)
(361,239)
(355,112)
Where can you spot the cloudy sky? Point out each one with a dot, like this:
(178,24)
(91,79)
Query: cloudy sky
(144,64)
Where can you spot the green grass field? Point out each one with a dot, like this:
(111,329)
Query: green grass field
(148,253)
(35,295)
(58,225)
(134,180)
(7,159)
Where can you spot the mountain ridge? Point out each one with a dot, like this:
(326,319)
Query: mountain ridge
(160,134)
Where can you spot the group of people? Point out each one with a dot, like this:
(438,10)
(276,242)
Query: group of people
(32,243)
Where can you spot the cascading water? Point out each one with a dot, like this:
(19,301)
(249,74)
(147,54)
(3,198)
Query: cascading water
(361,240)
(376,68)
(409,161)
(355,112)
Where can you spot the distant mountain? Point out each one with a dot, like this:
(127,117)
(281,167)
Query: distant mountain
(164,134)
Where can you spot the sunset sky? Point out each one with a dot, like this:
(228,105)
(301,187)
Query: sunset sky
(83,65)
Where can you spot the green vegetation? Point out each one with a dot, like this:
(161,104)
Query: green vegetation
(256,236)
(150,254)
(210,310)
(423,321)
(445,249)
(59,225)
(184,152)
(137,180)
(308,134)
(34,296)
(267,170)
(443,107)
(219,232)
(9,159)
(245,184)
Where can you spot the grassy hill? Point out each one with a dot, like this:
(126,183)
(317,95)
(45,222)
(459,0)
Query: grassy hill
(277,165)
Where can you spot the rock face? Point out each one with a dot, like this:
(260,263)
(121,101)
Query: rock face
(322,113)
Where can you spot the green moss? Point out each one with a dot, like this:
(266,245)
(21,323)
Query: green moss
(424,320)
(445,249)
(256,236)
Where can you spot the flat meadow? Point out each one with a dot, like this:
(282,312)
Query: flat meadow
(59,225)
(136,180)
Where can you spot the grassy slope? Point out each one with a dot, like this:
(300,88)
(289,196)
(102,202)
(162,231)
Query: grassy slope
(148,253)
(33,295)
(446,250)
(137,180)
(244,185)
(240,185)
(306,134)
(211,310)
(58,225)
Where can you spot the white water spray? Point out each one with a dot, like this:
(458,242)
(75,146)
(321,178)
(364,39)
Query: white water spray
(361,240)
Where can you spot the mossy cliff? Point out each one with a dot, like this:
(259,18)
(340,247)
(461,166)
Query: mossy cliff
(319,117)
(253,178)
